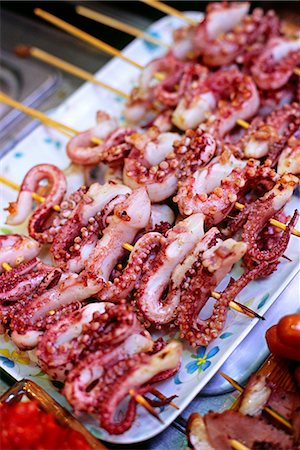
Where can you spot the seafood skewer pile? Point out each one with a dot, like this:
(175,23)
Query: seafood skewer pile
(169,195)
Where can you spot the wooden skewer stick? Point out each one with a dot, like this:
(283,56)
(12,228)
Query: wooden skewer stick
(237,445)
(118,25)
(169,10)
(143,402)
(163,397)
(25,51)
(233,304)
(267,409)
(34,195)
(297,71)
(7,267)
(273,222)
(89,39)
(68,131)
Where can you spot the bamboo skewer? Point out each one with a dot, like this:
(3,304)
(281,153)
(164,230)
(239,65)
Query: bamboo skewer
(281,419)
(35,196)
(118,25)
(297,71)
(41,55)
(233,304)
(169,10)
(237,445)
(68,131)
(74,31)
(7,267)
(143,402)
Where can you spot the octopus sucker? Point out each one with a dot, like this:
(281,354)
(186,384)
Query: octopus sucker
(39,226)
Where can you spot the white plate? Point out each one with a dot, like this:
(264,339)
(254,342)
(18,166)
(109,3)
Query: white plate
(47,146)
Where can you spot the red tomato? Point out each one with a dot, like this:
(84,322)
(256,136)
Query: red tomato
(278,347)
(289,330)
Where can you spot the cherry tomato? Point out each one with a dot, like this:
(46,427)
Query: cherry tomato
(278,347)
(289,330)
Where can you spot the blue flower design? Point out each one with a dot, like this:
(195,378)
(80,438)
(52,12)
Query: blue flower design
(201,362)
(150,45)
(7,362)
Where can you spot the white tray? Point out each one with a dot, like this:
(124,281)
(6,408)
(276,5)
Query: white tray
(47,146)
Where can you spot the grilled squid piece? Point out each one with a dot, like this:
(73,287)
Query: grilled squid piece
(140,372)
(82,150)
(92,327)
(223,97)
(16,248)
(129,218)
(203,181)
(274,66)
(41,225)
(208,268)
(289,159)
(84,215)
(255,396)
(179,241)
(147,166)
(264,136)
(228,30)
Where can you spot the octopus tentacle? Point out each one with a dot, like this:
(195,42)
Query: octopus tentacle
(82,150)
(78,235)
(264,209)
(84,384)
(238,98)
(148,164)
(16,248)
(38,226)
(141,99)
(263,134)
(274,66)
(198,283)
(23,280)
(139,372)
(221,200)
(178,242)
(97,324)
(124,283)
(161,173)
(197,186)
(228,30)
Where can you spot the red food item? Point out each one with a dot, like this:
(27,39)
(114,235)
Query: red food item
(289,330)
(278,347)
(24,426)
